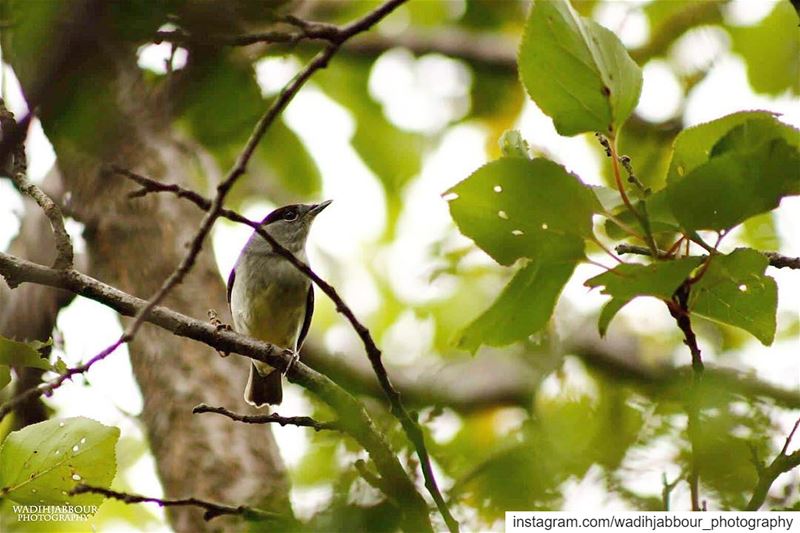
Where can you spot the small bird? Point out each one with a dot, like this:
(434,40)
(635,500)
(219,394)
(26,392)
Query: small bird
(269,298)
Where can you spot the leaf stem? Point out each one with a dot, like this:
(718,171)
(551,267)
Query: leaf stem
(642,218)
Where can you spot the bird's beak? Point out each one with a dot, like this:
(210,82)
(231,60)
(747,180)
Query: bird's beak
(317,209)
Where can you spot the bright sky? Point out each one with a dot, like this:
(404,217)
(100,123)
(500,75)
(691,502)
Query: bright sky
(402,84)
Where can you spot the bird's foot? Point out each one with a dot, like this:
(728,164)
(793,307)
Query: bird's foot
(295,358)
(213,317)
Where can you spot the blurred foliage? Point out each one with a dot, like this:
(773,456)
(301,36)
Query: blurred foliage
(590,424)
(771,50)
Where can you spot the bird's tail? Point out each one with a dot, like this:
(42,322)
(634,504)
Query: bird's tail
(263,389)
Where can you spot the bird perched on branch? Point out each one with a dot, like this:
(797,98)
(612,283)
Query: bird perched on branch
(270,298)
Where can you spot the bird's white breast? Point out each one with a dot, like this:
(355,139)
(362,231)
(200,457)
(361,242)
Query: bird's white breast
(268,300)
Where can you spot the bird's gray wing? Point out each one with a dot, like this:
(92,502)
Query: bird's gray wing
(231,279)
(307,319)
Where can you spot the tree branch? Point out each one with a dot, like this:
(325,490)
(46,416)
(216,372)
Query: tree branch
(768,474)
(353,417)
(775,259)
(272,418)
(212,509)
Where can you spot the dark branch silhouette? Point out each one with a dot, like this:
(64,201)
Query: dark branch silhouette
(212,509)
(272,418)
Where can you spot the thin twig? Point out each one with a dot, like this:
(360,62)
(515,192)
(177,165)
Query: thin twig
(781,261)
(272,418)
(775,259)
(767,475)
(47,388)
(212,510)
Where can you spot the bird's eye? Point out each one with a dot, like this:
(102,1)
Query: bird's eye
(290,215)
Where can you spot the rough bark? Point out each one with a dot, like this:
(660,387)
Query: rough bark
(134,245)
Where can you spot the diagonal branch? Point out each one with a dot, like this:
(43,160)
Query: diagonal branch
(768,474)
(409,424)
(272,418)
(212,509)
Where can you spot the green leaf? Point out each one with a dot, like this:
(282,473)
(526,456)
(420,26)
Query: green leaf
(516,207)
(736,185)
(42,462)
(577,71)
(661,279)
(751,135)
(735,291)
(693,145)
(5,376)
(14,353)
(608,312)
(771,50)
(523,308)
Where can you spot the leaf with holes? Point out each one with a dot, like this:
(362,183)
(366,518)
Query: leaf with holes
(523,308)
(516,207)
(41,463)
(577,71)
(14,353)
(735,291)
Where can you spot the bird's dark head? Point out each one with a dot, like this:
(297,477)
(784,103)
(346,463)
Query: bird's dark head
(290,224)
